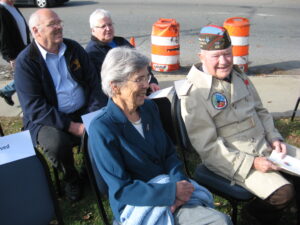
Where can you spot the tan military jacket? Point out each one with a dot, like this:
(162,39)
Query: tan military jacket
(228,126)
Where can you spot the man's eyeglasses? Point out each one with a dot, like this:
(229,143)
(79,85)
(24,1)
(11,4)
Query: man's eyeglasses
(109,25)
(55,23)
(142,79)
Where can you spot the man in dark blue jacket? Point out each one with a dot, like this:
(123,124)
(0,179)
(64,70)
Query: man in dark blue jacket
(103,39)
(56,85)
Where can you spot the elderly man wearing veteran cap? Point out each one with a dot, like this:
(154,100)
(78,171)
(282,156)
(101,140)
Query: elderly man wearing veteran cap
(231,130)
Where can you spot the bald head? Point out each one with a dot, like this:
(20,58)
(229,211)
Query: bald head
(39,16)
(46,28)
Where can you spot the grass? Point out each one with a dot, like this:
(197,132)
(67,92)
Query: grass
(85,212)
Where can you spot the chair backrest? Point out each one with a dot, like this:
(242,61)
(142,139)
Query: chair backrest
(164,107)
(98,184)
(182,138)
(167,116)
(182,141)
(27,195)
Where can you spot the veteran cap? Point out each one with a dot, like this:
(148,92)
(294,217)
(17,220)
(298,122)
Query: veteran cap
(213,37)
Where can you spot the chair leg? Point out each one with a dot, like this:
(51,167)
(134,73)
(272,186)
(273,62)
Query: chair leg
(103,213)
(234,211)
(1,131)
(57,181)
(295,110)
(185,163)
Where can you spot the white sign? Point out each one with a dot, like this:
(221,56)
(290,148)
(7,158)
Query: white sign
(161,93)
(15,146)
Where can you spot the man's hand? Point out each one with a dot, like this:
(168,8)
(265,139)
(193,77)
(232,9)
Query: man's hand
(262,164)
(177,204)
(154,87)
(12,64)
(76,129)
(184,190)
(279,147)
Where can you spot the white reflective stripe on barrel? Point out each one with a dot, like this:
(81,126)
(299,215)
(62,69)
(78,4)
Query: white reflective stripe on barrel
(164,41)
(160,59)
(239,41)
(238,60)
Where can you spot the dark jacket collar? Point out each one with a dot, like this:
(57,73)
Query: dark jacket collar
(147,144)
(93,38)
(118,40)
(118,116)
(36,55)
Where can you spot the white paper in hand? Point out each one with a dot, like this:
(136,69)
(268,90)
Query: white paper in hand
(287,164)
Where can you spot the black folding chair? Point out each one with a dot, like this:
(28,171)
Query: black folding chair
(55,173)
(215,183)
(98,185)
(27,193)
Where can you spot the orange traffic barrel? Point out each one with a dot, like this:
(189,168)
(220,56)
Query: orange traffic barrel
(165,49)
(239,29)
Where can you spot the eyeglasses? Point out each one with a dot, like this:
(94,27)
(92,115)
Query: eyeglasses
(55,23)
(142,79)
(109,25)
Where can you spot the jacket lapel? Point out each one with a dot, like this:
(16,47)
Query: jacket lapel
(201,80)
(238,90)
(130,133)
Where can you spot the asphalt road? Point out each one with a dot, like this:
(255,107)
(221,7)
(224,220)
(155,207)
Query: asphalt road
(274,38)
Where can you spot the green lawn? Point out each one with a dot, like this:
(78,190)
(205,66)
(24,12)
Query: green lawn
(86,211)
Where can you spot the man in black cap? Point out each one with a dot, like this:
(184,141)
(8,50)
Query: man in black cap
(231,130)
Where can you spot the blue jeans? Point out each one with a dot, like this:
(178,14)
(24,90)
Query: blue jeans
(9,89)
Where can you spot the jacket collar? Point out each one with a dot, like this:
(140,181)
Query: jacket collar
(128,130)
(118,116)
(93,38)
(201,80)
(115,113)
(237,92)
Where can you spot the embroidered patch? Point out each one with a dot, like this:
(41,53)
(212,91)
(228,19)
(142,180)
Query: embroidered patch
(75,65)
(219,100)
(246,82)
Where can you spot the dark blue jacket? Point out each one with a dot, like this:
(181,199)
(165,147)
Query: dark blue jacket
(127,161)
(11,42)
(36,90)
(97,50)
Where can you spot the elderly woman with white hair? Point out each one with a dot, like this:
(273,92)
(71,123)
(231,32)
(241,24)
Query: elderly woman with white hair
(135,156)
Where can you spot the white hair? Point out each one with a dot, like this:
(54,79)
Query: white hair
(33,21)
(119,64)
(98,14)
